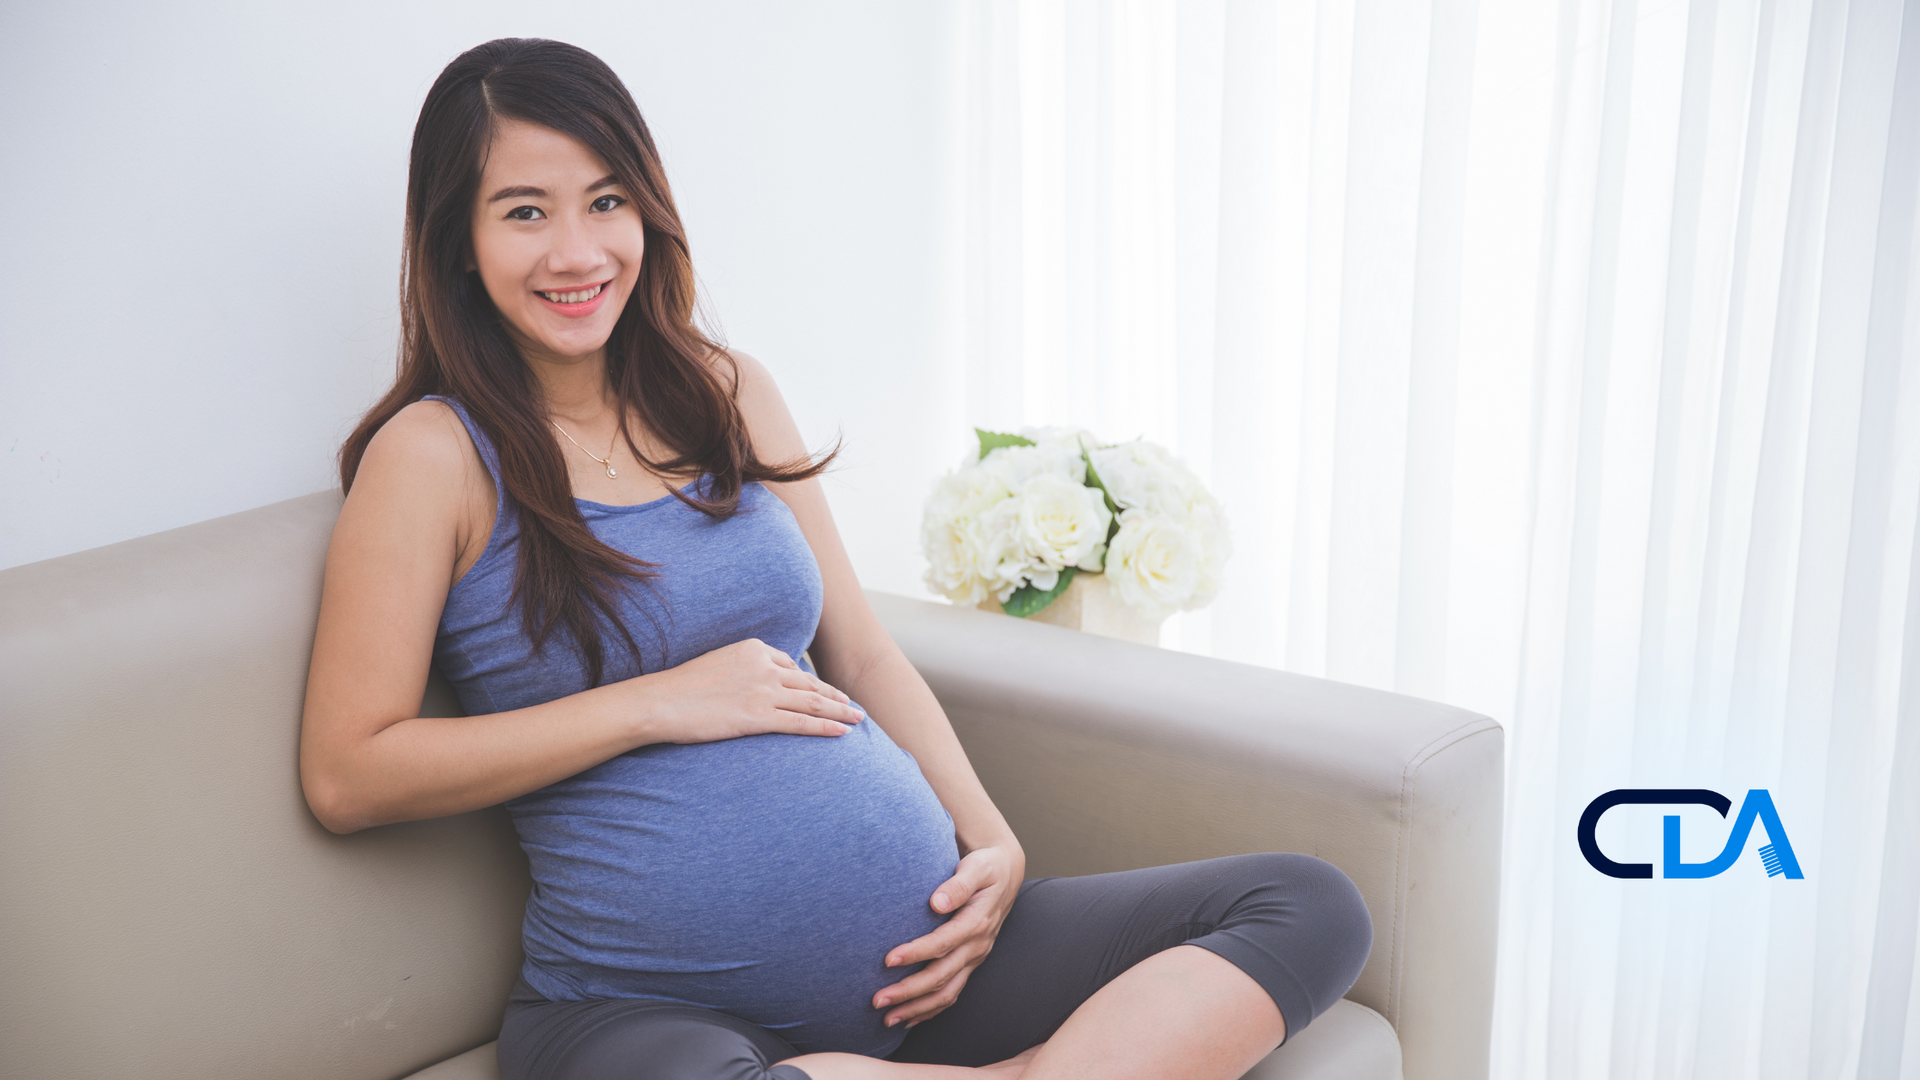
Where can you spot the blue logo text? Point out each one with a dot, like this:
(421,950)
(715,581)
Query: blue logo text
(1776,855)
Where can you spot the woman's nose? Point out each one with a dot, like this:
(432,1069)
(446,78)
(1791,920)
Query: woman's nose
(574,250)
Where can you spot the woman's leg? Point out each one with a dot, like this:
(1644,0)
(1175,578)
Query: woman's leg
(1183,1013)
(1284,937)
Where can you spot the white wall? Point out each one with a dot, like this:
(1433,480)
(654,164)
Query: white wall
(199,264)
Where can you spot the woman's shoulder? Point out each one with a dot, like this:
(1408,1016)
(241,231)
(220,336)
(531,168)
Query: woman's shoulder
(753,389)
(423,466)
(425,438)
(739,371)
(424,453)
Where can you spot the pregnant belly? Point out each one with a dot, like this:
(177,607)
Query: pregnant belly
(765,877)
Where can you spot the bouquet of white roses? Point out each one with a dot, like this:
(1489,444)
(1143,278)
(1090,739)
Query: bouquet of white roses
(1020,519)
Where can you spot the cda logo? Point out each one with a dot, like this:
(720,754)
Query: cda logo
(1776,855)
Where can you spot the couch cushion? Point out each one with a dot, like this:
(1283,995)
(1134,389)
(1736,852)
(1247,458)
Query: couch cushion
(478,1063)
(1347,1042)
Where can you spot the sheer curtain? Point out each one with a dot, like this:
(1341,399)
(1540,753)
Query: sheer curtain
(1558,360)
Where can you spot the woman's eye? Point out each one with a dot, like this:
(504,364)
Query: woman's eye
(524,213)
(605,203)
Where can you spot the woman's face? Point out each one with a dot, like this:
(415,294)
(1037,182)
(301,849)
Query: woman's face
(556,240)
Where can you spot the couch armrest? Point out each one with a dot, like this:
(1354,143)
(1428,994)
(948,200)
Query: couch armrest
(1105,755)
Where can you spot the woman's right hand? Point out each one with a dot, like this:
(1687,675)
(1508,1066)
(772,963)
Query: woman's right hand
(747,688)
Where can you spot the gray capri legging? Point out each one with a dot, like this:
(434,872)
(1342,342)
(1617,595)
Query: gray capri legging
(1294,923)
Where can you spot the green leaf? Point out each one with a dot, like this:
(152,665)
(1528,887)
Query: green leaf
(1027,600)
(1094,481)
(994,440)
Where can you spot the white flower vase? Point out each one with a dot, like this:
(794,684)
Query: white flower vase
(1092,604)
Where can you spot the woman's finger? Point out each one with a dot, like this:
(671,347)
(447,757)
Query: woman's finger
(820,687)
(968,878)
(944,939)
(782,659)
(795,679)
(923,982)
(806,724)
(928,1006)
(812,704)
(919,984)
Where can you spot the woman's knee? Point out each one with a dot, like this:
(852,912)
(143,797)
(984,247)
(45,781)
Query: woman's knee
(1314,899)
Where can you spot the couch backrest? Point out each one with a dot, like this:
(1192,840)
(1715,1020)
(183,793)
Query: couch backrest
(168,906)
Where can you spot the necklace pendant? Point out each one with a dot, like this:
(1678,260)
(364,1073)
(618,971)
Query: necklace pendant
(611,474)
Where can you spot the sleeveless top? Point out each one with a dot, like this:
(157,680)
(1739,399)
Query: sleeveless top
(765,876)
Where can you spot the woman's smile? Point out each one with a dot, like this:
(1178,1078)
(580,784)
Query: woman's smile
(575,303)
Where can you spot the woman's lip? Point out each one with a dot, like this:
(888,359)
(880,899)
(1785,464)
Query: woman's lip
(585,307)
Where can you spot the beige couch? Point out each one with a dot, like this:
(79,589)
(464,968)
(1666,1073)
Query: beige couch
(169,908)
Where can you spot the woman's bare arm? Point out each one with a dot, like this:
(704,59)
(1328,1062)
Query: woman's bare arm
(419,513)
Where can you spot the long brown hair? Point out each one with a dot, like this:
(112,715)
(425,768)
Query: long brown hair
(660,366)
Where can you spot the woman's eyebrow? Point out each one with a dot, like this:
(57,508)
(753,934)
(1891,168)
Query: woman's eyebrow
(522,192)
(526,192)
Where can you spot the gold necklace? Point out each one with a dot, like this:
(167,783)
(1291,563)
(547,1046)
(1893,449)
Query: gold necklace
(606,462)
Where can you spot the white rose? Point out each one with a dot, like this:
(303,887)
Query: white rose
(1154,564)
(962,555)
(968,492)
(952,548)
(1015,465)
(1063,524)
(1004,562)
(1140,475)
(1068,441)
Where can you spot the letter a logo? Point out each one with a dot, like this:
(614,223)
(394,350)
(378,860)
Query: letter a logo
(1776,856)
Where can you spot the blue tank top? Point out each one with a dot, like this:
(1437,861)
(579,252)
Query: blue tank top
(766,876)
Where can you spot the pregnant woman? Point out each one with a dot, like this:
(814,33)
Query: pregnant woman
(606,531)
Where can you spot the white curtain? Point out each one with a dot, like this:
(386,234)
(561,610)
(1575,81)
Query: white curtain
(1560,360)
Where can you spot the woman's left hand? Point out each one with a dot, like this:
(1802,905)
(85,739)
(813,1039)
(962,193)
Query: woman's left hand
(979,894)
